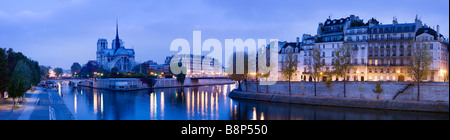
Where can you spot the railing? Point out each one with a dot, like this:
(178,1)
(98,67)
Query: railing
(390,39)
(401,91)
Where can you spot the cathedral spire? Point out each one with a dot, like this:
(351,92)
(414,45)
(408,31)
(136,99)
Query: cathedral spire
(117,28)
(117,43)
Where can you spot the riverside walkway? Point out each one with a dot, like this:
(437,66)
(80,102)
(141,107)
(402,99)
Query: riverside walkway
(37,105)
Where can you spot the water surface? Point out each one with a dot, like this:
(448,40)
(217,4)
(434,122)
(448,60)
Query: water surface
(210,103)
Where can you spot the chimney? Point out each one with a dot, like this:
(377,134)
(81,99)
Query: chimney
(437,30)
(298,41)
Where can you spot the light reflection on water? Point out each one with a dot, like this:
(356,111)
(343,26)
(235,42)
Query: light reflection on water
(208,103)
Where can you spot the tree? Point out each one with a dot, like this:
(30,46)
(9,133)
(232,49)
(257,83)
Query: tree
(315,67)
(75,68)
(373,21)
(237,77)
(378,88)
(58,72)
(357,23)
(44,71)
(88,70)
(341,63)
(419,66)
(20,81)
(4,72)
(289,67)
(182,76)
(234,62)
(141,68)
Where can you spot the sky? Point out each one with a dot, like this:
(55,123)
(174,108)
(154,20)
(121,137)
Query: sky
(58,33)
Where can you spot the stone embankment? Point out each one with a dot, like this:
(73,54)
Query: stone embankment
(433,97)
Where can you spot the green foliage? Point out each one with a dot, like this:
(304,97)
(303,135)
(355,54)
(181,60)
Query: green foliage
(20,81)
(357,23)
(373,21)
(58,72)
(75,68)
(182,76)
(378,88)
(328,83)
(33,66)
(44,71)
(238,78)
(361,88)
(4,71)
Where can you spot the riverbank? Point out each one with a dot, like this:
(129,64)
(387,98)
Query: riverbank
(40,104)
(425,106)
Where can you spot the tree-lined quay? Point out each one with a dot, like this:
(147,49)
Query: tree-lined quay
(18,74)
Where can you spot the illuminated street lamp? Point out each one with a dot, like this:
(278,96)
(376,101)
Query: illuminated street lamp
(443,73)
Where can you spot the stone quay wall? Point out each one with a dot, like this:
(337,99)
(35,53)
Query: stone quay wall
(435,92)
(169,83)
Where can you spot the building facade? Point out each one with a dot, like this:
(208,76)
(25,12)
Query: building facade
(116,58)
(379,52)
(195,66)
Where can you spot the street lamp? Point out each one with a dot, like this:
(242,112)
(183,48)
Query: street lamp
(443,73)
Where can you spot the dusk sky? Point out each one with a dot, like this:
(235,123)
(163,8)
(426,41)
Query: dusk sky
(57,33)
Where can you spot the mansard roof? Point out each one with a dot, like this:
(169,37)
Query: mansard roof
(333,22)
(292,44)
(428,31)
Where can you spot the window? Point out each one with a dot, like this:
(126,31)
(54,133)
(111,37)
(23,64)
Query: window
(431,45)
(323,54)
(362,61)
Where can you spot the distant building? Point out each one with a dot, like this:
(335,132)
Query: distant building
(195,65)
(116,57)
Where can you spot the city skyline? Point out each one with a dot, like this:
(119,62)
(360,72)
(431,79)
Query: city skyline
(58,33)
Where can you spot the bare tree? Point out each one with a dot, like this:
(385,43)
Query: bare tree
(316,67)
(420,61)
(341,63)
(289,68)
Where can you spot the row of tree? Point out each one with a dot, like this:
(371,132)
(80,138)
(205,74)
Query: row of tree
(17,73)
(418,68)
